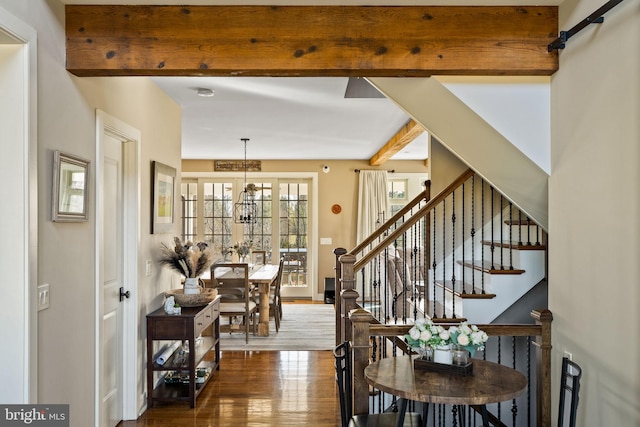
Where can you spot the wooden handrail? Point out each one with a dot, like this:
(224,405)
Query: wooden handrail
(424,195)
(411,221)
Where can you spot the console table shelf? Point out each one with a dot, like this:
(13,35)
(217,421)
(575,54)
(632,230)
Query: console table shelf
(188,326)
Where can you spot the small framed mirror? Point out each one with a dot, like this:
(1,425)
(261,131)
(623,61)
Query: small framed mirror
(70,198)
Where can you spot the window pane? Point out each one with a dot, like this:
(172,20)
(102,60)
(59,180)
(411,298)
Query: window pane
(260,231)
(189,193)
(293,232)
(218,209)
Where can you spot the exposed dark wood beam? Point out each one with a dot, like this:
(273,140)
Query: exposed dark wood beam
(116,40)
(410,131)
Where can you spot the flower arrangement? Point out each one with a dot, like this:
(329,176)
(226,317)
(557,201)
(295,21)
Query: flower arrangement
(243,248)
(187,259)
(425,333)
(468,337)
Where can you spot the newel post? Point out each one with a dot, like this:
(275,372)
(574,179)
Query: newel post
(360,320)
(338,289)
(348,295)
(543,367)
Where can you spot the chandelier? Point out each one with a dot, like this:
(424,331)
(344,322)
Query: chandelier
(244,212)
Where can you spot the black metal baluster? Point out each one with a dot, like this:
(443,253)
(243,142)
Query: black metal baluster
(473,232)
(492,238)
(514,405)
(501,236)
(444,255)
(519,227)
(454,415)
(528,232)
(510,236)
(482,237)
(463,245)
(499,363)
(433,265)
(537,234)
(529,381)
(376,297)
(453,253)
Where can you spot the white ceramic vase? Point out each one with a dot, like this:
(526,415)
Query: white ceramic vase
(191,286)
(442,354)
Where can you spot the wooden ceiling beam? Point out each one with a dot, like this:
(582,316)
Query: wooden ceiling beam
(410,131)
(392,41)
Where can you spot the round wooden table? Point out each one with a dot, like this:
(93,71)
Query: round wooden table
(490,382)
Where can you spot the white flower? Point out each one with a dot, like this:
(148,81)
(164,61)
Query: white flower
(414,333)
(425,335)
(463,340)
(465,329)
(444,335)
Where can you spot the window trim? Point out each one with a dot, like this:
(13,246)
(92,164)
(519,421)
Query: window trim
(313,239)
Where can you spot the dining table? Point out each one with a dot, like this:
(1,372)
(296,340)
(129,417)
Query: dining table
(489,383)
(261,275)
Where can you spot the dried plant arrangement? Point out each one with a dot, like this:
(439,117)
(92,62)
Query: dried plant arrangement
(188,259)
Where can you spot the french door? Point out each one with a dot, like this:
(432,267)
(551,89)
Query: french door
(282,225)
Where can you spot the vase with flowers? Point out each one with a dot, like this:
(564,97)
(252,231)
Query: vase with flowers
(188,259)
(466,338)
(243,250)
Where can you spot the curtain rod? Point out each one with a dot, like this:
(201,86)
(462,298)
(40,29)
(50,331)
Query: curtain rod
(595,18)
(389,170)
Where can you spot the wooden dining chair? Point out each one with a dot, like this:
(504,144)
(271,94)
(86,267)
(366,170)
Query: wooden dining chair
(237,295)
(259,257)
(343,363)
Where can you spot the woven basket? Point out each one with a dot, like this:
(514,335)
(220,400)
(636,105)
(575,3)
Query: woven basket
(205,296)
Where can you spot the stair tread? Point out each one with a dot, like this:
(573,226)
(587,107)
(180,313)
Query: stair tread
(442,309)
(515,245)
(448,285)
(520,222)
(486,267)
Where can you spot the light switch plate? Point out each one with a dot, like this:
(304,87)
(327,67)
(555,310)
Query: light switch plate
(325,240)
(43,296)
(148,268)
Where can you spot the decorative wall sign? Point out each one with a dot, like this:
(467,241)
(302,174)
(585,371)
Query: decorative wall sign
(163,190)
(237,165)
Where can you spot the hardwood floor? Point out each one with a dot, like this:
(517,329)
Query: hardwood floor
(258,388)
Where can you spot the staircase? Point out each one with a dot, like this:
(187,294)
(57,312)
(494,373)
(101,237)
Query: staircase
(467,253)
(498,275)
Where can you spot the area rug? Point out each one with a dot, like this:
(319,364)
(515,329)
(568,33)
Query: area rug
(303,327)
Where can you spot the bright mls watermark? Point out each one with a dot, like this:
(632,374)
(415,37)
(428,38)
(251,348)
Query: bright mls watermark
(34,415)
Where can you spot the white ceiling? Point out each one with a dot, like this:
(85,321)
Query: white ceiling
(284,118)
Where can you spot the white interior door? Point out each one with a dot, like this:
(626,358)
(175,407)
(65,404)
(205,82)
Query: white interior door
(111,360)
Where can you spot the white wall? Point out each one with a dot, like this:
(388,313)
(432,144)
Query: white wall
(517,107)
(66,121)
(594,199)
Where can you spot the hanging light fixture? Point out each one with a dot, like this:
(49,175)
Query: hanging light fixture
(244,212)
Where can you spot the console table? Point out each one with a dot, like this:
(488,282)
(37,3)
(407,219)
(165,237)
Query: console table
(187,326)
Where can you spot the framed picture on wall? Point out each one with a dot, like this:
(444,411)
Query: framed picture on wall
(70,198)
(163,193)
